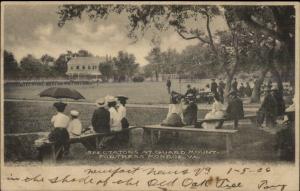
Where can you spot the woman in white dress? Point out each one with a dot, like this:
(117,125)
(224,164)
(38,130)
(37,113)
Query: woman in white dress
(216,113)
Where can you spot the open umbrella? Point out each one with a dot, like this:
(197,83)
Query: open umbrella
(56,92)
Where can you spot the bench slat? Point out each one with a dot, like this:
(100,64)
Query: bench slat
(190,129)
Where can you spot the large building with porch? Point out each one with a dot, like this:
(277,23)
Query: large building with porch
(84,67)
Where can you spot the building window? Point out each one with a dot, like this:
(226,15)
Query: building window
(77,67)
(71,67)
(89,67)
(83,67)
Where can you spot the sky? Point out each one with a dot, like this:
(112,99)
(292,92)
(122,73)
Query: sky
(32,29)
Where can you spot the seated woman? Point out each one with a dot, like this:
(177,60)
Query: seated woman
(190,111)
(59,134)
(175,113)
(216,112)
(75,126)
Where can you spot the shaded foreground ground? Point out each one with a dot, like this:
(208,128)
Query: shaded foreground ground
(250,143)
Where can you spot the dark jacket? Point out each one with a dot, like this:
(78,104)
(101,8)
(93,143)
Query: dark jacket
(269,105)
(100,120)
(280,102)
(235,109)
(169,83)
(234,86)
(248,90)
(213,87)
(189,91)
(190,114)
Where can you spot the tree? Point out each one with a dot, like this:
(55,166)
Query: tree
(155,60)
(107,69)
(47,59)
(198,62)
(148,71)
(31,66)
(60,64)
(125,65)
(277,23)
(84,53)
(11,68)
(267,19)
(160,17)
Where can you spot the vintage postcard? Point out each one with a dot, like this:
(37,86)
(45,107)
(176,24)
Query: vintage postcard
(150,96)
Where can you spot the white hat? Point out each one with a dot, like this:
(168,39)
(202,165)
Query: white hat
(110,99)
(74,113)
(100,102)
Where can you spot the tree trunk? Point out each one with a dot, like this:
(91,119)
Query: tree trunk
(278,79)
(255,97)
(156,76)
(227,87)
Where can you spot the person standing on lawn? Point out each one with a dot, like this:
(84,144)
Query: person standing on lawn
(242,90)
(222,84)
(234,85)
(100,123)
(278,95)
(101,117)
(248,90)
(221,92)
(213,87)
(115,118)
(235,108)
(169,85)
(268,110)
(122,112)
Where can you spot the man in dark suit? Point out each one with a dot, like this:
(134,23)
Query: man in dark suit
(234,85)
(169,85)
(101,118)
(213,87)
(101,124)
(268,110)
(235,109)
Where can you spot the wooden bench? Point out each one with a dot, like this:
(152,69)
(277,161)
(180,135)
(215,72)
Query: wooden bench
(49,154)
(150,130)
(200,122)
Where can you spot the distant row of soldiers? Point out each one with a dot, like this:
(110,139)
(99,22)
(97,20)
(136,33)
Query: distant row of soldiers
(50,82)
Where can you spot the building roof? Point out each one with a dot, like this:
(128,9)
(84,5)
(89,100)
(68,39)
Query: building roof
(86,60)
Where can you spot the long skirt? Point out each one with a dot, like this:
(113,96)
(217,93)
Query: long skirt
(212,115)
(61,138)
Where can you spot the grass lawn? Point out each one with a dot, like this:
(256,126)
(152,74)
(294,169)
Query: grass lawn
(142,93)
(250,143)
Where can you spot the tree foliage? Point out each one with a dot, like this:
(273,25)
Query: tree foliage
(10,65)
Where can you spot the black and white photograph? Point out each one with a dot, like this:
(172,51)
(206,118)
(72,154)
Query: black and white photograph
(150,83)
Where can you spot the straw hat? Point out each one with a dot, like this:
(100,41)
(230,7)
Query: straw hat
(110,99)
(100,102)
